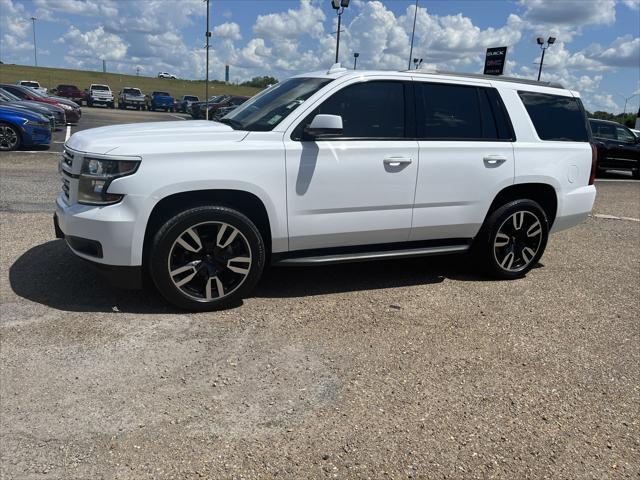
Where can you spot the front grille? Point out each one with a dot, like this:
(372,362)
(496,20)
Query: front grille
(67,158)
(65,187)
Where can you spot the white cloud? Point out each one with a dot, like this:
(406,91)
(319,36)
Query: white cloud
(632,4)
(93,45)
(227,30)
(306,20)
(101,8)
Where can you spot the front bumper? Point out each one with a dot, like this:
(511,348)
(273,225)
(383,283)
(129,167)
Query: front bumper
(36,136)
(111,226)
(126,277)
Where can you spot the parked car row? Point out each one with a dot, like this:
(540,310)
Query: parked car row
(215,103)
(72,110)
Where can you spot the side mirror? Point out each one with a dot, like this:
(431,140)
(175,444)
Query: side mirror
(324,126)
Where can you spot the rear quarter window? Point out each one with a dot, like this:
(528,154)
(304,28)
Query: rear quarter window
(556,117)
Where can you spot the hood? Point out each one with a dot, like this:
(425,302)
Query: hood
(66,101)
(27,114)
(29,108)
(154,137)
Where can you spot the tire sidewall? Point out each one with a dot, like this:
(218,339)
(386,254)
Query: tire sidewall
(493,224)
(165,237)
(17,132)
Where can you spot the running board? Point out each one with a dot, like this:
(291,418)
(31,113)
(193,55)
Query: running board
(364,256)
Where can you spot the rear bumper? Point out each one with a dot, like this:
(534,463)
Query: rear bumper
(574,208)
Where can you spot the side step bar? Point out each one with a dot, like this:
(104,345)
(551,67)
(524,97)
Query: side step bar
(364,256)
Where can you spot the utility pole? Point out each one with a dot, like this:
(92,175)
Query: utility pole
(413,33)
(137,71)
(35,49)
(206,82)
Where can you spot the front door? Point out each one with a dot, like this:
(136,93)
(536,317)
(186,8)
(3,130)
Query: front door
(356,188)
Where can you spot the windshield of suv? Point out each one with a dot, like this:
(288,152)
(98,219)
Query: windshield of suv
(100,87)
(267,109)
(132,91)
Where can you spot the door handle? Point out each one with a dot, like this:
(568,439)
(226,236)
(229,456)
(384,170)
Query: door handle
(397,161)
(494,160)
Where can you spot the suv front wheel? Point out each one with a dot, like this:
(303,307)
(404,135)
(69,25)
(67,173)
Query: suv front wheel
(513,239)
(206,258)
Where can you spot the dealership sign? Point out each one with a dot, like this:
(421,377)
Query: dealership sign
(494,61)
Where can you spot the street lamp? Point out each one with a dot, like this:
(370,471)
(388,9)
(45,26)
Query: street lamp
(626,99)
(35,50)
(417,62)
(355,60)
(339,6)
(540,40)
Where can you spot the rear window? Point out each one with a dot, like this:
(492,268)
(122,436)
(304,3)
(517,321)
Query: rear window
(162,94)
(460,112)
(100,87)
(191,98)
(556,117)
(132,91)
(30,84)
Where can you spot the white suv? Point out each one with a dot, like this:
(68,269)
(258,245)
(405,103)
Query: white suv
(330,167)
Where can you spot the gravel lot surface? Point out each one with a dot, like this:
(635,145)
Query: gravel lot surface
(403,369)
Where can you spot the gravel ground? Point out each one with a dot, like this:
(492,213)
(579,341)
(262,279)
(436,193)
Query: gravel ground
(404,369)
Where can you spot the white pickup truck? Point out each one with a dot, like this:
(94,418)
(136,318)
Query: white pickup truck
(100,95)
(33,85)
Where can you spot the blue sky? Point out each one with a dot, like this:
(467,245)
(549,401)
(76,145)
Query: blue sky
(597,52)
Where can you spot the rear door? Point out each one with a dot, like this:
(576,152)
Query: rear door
(466,158)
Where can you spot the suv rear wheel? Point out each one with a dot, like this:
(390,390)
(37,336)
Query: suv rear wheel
(513,239)
(206,258)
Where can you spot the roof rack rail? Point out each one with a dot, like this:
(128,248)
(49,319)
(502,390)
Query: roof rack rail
(498,78)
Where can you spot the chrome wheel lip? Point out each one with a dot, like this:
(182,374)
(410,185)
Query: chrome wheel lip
(7,133)
(532,229)
(212,280)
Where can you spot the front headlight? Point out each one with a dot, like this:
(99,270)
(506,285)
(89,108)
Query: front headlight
(65,106)
(37,123)
(97,174)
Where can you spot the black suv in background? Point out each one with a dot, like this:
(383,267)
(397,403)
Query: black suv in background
(618,147)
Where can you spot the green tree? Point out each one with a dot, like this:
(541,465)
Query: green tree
(260,82)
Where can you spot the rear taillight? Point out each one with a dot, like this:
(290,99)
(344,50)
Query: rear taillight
(594,164)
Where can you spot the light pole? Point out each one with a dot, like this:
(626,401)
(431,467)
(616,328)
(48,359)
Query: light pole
(339,6)
(417,62)
(540,40)
(355,60)
(35,50)
(626,99)
(413,32)
(206,82)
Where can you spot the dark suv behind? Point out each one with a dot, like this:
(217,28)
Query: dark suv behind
(618,148)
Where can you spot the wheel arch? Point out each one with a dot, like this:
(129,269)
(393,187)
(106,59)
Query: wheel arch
(542,193)
(245,202)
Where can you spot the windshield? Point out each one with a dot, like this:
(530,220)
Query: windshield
(267,109)
(100,87)
(132,91)
(9,95)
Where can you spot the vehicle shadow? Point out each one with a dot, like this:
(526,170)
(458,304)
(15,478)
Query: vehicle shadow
(51,275)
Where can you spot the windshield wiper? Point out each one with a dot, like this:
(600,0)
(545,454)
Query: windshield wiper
(235,124)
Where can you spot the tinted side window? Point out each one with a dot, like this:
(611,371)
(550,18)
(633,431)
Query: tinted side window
(603,130)
(625,135)
(16,91)
(368,110)
(448,112)
(556,117)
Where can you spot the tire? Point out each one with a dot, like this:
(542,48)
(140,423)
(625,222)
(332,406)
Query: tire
(138,107)
(512,239)
(636,173)
(89,103)
(180,244)
(111,105)
(10,137)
